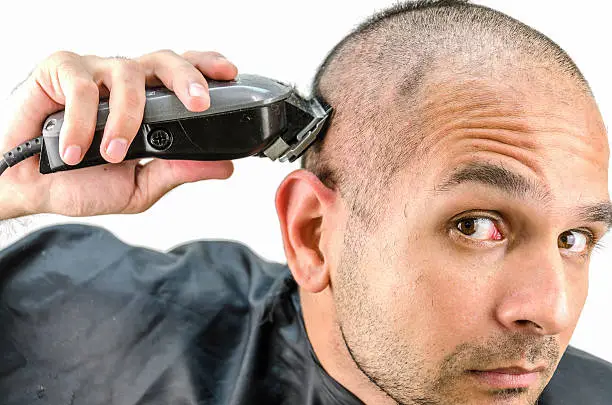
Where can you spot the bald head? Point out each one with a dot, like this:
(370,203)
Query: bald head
(383,78)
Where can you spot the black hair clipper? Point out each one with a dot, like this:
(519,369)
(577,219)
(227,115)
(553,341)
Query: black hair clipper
(248,116)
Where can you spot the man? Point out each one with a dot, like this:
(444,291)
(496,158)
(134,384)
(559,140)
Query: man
(437,243)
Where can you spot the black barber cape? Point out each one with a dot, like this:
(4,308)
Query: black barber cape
(88,319)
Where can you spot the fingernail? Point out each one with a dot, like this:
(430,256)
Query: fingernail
(197,90)
(72,155)
(117,148)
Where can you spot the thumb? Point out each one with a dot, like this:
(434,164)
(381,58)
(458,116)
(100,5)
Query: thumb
(159,176)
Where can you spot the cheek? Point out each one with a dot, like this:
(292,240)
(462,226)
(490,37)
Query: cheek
(444,294)
(578,288)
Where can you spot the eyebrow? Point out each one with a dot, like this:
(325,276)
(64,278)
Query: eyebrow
(498,177)
(601,212)
(519,187)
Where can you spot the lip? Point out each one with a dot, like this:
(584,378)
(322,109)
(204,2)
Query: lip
(508,377)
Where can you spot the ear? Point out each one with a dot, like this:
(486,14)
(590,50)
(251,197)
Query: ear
(305,206)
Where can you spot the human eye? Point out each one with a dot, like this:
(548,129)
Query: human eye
(575,241)
(478,228)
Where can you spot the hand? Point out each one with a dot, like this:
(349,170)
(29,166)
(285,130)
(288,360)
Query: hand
(75,83)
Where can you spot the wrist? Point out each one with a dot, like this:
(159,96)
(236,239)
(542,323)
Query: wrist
(11,202)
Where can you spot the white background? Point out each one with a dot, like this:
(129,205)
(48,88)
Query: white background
(285,40)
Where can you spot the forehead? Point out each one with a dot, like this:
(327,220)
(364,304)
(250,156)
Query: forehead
(546,129)
(532,99)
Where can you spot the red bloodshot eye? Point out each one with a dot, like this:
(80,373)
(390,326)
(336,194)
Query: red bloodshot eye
(495,234)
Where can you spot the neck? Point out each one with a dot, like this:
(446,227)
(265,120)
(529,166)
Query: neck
(323,330)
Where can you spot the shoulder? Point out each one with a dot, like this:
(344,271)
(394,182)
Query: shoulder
(86,255)
(580,378)
(77,298)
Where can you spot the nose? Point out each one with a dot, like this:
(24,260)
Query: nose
(536,296)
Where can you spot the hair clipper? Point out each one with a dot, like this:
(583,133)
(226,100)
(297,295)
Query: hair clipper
(248,116)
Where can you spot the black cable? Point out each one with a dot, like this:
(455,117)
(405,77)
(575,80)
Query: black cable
(3,166)
(21,153)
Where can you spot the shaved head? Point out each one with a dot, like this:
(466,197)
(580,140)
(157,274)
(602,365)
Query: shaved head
(381,80)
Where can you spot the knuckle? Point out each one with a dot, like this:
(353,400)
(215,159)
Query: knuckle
(189,71)
(60,61)
(62,56)
(190,54)
(166,53)
(132,66)
(64,67)
(127,67)
(195,56)
(84,88)
(215,54)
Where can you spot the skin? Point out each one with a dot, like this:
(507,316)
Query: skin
(419,303)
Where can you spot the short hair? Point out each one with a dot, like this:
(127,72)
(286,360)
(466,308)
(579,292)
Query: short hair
(385,63)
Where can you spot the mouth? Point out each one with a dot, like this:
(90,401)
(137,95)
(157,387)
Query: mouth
(508,377)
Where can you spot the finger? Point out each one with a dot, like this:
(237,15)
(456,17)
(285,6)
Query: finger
(180,76)
(82,98)
(125,79)
(159,176)
(60,81)
(212,64)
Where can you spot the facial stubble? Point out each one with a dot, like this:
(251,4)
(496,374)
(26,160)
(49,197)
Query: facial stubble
(396,368)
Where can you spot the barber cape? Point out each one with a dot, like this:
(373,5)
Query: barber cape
(88,319)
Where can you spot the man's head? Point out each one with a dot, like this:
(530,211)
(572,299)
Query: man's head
(455,200)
